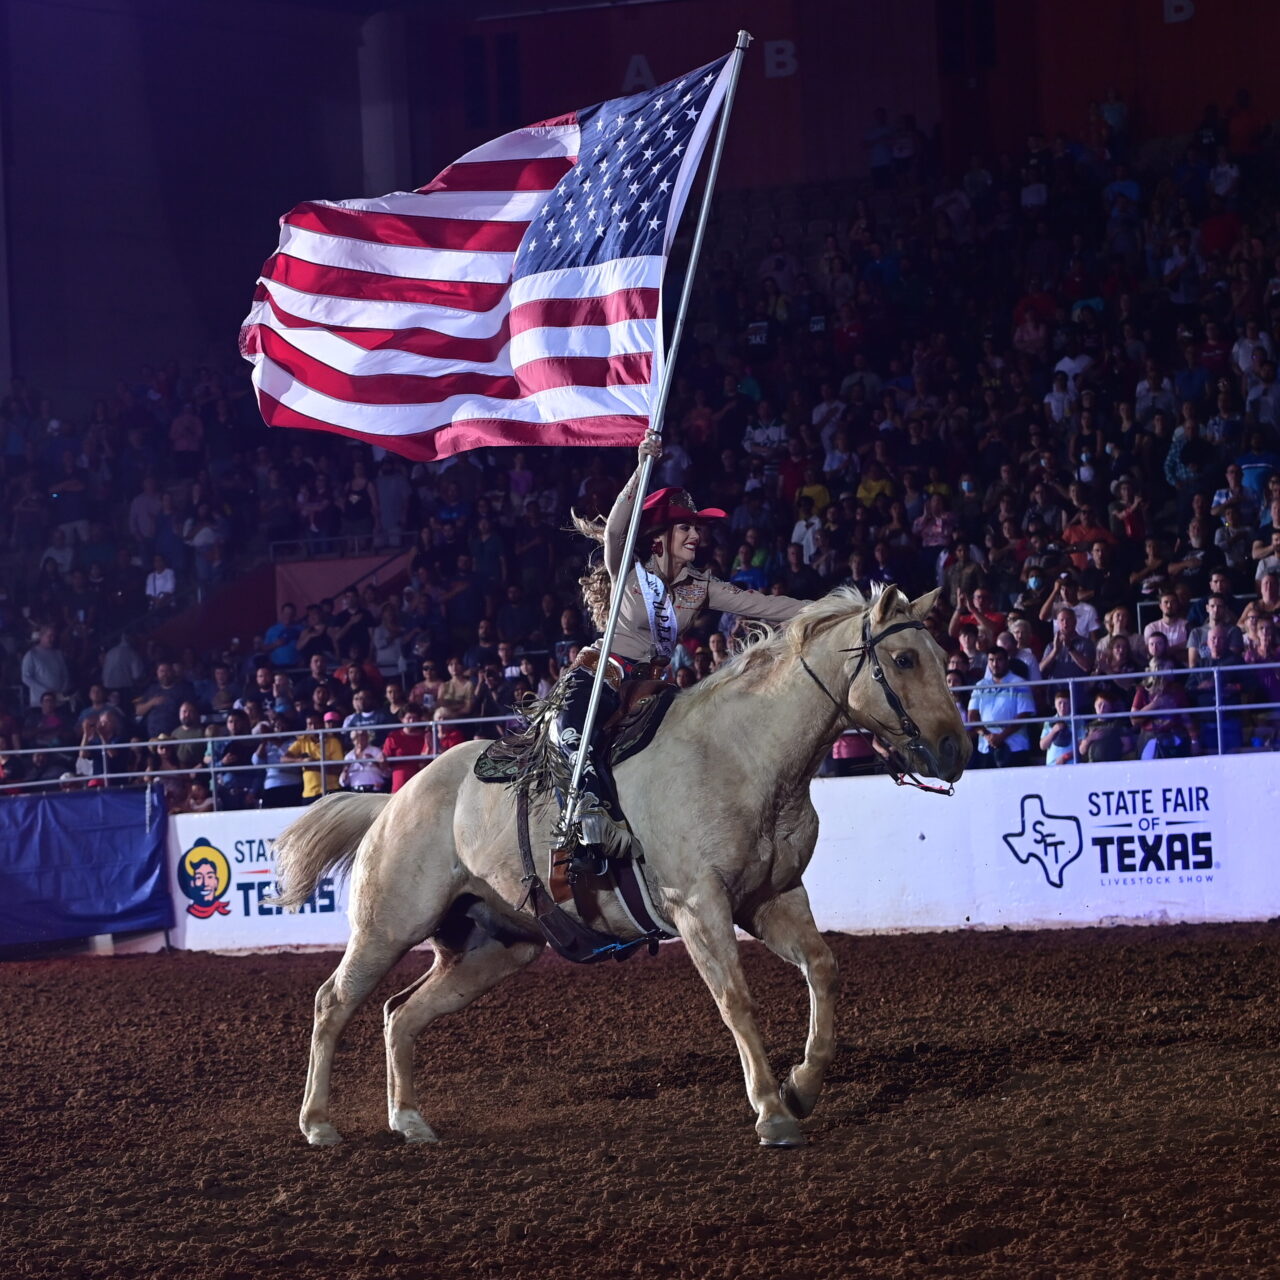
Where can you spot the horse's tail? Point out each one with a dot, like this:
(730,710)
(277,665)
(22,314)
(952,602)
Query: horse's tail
(323,840)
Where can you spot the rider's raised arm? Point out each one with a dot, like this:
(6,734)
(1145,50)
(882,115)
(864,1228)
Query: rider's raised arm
(727,598)
(615,528)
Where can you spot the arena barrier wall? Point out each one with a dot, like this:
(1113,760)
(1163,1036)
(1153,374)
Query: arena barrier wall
(1148,842)
(80,865)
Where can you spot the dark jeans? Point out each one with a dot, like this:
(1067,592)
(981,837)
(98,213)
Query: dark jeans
(282,797)
(596,777)
(1001,757)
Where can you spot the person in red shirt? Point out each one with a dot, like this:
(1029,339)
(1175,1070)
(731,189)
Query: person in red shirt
(979,611)
(1081,532)
(407,741)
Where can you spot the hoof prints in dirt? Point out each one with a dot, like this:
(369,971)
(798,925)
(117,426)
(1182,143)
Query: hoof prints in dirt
(1075,1103)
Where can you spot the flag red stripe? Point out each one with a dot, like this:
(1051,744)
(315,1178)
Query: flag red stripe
(569,313)
(502,175)
(345,282)
(631,369)
(558,313)
(408,229)
(421,342)
(481,433)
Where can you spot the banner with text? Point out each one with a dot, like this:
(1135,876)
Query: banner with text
(222,870)
(1147,842)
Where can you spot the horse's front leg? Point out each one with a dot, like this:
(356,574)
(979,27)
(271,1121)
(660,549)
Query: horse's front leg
(785,925)
(705,923)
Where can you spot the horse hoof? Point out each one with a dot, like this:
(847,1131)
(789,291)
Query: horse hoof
(322,1135)
(781,1133)
(797,1103)
(413,1128)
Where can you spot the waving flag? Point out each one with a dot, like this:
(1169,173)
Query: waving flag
(514,300)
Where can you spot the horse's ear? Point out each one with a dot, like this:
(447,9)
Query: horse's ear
(922,608)
(886,603)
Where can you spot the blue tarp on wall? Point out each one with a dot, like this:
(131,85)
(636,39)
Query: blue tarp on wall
(81,863)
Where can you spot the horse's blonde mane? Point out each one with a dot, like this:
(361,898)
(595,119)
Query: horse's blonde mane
(770,647)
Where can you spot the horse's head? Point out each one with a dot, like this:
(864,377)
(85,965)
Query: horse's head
(898,689)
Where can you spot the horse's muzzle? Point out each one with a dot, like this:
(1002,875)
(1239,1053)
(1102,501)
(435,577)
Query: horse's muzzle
(950,758)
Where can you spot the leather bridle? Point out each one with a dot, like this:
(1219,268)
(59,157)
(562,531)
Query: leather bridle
(867,655)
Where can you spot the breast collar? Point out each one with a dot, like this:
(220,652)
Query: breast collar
(867,654)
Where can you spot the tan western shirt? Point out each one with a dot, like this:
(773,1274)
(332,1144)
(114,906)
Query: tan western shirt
(691,592)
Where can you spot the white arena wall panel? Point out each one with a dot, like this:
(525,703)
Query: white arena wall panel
(1147,842)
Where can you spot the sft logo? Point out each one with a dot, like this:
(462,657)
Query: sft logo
(1054,840)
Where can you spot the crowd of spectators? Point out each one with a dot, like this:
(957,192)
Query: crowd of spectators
(1046,385)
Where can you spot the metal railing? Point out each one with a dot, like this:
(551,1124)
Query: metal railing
(325,765)
(1197,714)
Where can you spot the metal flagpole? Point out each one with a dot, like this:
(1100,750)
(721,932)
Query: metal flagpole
(655,420)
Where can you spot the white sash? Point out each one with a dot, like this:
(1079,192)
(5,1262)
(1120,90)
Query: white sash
(664,625)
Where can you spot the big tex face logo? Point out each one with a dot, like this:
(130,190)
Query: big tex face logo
(1054,840)
(204,876)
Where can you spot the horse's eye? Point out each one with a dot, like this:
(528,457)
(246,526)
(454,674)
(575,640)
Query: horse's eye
(904,661)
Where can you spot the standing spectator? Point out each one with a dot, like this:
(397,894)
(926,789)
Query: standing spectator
(1055,737)
(159,708)
(161,586)
(365,768)
(999,701)
(44,668)
(122,666)
(281,639)
(402,744)
(313,746)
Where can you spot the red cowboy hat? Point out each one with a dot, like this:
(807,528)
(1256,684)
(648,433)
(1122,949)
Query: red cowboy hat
(674,506)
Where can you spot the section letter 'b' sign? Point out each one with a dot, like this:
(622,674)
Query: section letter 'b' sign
(1054,840)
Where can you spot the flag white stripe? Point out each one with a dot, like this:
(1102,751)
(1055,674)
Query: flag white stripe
(460,206)
(595,281)
(542,142)
(624,338)
(402,261)
(408,419)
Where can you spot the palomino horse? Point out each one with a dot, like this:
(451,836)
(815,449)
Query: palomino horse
(720,804)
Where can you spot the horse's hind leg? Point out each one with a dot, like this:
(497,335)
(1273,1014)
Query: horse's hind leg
(785,925)
(468,963)
(361,968)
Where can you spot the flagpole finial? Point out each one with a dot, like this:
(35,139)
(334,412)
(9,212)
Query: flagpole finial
(744,39)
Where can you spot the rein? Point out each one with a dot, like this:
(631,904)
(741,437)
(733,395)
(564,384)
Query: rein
(866,652)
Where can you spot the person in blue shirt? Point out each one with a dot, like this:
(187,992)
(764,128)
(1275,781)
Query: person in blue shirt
(999,700)
(281,639)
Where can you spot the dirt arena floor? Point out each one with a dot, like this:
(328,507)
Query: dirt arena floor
(1092,1103)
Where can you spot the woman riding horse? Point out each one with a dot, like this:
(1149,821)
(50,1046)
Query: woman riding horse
(662,594)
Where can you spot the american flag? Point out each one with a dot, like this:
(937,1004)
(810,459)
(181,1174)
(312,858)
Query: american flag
(514,300)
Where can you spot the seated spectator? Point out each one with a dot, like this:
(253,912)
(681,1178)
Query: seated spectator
(999,701)
(1055,738)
